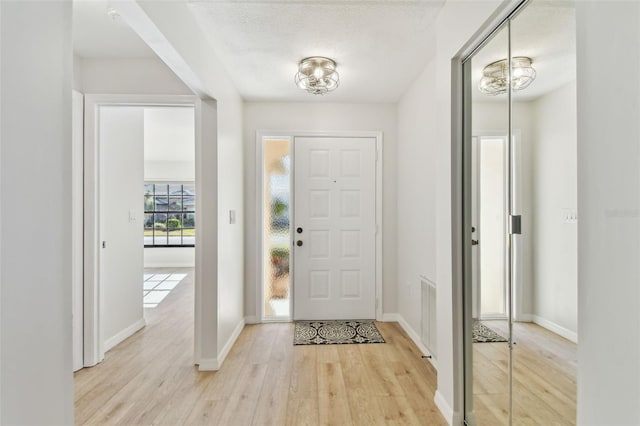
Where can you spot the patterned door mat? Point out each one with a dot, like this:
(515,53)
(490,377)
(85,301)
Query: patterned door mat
(483,334)
(336,332)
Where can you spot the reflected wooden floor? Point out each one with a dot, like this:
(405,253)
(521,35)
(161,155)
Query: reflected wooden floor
(544,372)
(265,380)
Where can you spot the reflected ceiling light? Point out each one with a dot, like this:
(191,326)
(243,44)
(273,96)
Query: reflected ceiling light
(317,75)
(495,76)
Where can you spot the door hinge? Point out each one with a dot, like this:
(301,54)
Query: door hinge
(515,223)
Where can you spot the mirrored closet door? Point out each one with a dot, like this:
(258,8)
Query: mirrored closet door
(520,290)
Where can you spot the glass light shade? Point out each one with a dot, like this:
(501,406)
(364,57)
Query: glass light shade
(495,76)
(317,75)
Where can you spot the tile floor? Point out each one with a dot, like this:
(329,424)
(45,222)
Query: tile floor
(158,286)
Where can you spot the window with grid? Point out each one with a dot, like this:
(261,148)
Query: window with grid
(169,214)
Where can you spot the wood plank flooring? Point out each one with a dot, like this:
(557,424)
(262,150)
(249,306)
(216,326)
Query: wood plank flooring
(544,377)
(265,380)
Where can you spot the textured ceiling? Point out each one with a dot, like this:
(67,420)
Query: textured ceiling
(380,46)
(97,35)
(544,31)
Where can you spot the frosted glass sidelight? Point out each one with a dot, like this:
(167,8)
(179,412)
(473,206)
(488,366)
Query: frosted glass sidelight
(276,228)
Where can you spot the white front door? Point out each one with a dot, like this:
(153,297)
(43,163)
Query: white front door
(335,225)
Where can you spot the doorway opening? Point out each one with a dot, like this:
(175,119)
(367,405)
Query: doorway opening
(320,204)
(123,161)
(169,198)
(489,197)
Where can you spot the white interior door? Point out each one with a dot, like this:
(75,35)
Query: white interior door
(121,266)
(335,226)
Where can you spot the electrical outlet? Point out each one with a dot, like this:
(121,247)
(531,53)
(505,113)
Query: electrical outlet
(570,215)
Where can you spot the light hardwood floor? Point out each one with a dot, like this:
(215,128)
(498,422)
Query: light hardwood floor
(544,377)
(265,380)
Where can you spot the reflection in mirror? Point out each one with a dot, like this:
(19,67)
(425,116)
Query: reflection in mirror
(489,193)
(545,194)
(521,160)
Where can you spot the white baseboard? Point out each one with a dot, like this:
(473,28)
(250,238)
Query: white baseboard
(555,328)
(251,320)
(525,318)
(449,415)
(208,364)
(214,364)
(111,342)
(170,265)
(395,317)
(391,318)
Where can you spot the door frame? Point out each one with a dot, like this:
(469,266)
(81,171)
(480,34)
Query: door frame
(291,135)
(77,236)
(517,243)
(93,341)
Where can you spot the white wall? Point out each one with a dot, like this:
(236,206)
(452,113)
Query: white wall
(187,50)
(322,116)
(139,76)
(35,196)
(457,22)
(608,114)
(555,243)
(121,181)
(416,194)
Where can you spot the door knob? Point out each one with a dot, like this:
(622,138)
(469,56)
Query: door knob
(474,242)
(299,243)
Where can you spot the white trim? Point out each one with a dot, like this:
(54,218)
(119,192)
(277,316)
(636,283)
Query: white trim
(379,224)
(94,347)
(555,328)
(172,265)
(251,320)
(390,317)
(214,364)
(77,222)
(124,334)
(291,135)
(208,364)
(447,412)
(524,318)
(415,337)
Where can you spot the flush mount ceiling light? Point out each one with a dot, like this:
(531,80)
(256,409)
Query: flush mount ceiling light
(317,75)
(495,76)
